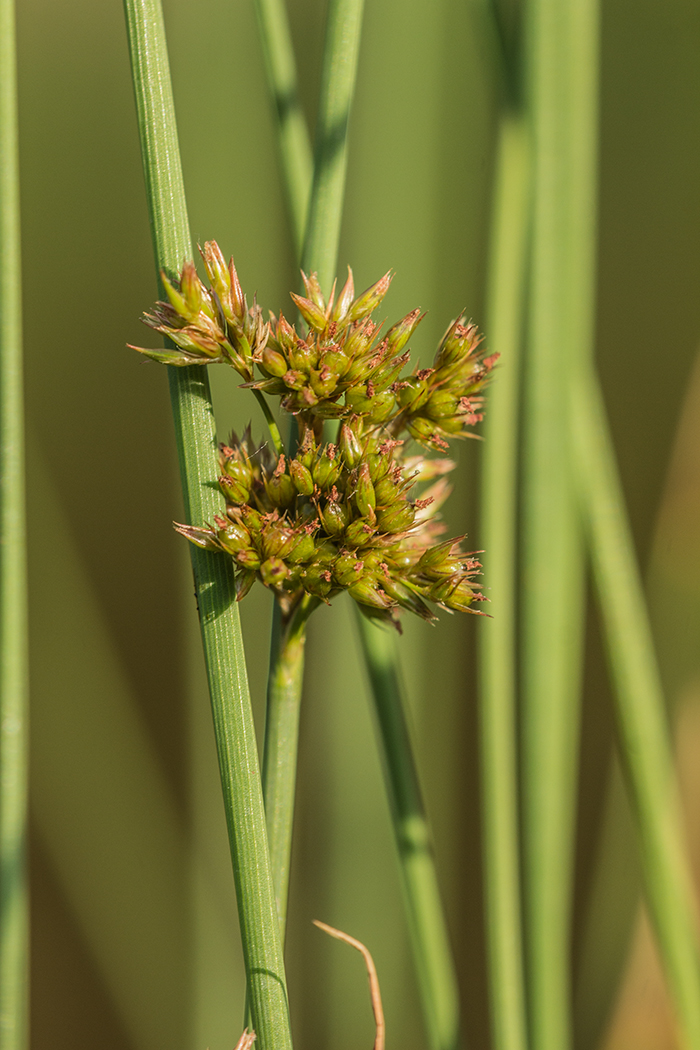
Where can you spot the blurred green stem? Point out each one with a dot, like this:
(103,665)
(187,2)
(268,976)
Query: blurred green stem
(437,981)
(641,719)
(552,605)
(284,688)
(340,56)
(218,611)
(14,907)
(292,135)
(497,664)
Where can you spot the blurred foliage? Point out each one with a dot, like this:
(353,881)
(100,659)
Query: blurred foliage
(134,927)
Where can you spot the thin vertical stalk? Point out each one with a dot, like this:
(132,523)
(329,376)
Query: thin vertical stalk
(218,611)
(340,56)
(640,709)
(426,918)
(552,563)
(437,982)
(284,688)
(497,636)
(292,135)
(14,909)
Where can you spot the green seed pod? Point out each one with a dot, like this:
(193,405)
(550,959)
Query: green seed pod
(277,540)
(234,538)
(383,408)
(364,493)
(347,569)
(422,430)
(326,470)
(457,344)
(303,549)
(455,593)
(252,519)
(243,582)
(379,466)
(335,517)
(219,276)
(442,404)
(387,491)
(368,592)
(344,300)
(388,373)
(350,444)
(248,559)
(323,381)
(191,288)
(280,487)
(358,339)
(396,518)
(301,476)
(336,360)
(358,400)
(303,357)
(359,533)
(234,491)
(414,394)
(273,363)
(273,572)
(317,580)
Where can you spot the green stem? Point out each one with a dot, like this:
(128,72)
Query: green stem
(14,909)
(292,135)
(271,422)
(284,690)
(218,611)
(340,55)
(497,636)
(640,709)
(552,606)
(432,953)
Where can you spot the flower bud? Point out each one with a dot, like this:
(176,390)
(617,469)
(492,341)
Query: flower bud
(314,316)
(191,288)
(350,444)
(339,311)
(396,518)
(370,299)
(454,592)
(218,275)
(200,536)
(399,333)
(457,343)
(313,290)
(177,299)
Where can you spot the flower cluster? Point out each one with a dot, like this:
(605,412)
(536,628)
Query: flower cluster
(357,514)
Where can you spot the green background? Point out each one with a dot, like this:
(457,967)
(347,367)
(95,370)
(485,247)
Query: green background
(134,940)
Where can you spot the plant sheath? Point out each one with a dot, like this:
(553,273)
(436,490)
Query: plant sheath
(218,611)
(14,909)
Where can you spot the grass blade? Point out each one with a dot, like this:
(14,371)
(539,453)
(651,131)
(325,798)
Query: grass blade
(218,611)
(497,637)
(640,710)
(14,907)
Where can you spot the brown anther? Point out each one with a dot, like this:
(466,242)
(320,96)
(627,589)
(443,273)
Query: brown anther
(332,329)
(387,446)
(421,504)
(424,373)
(220,522)
(334,496)
(280,468)
(326,575)
(489,362)
(331,451)
(358,566)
